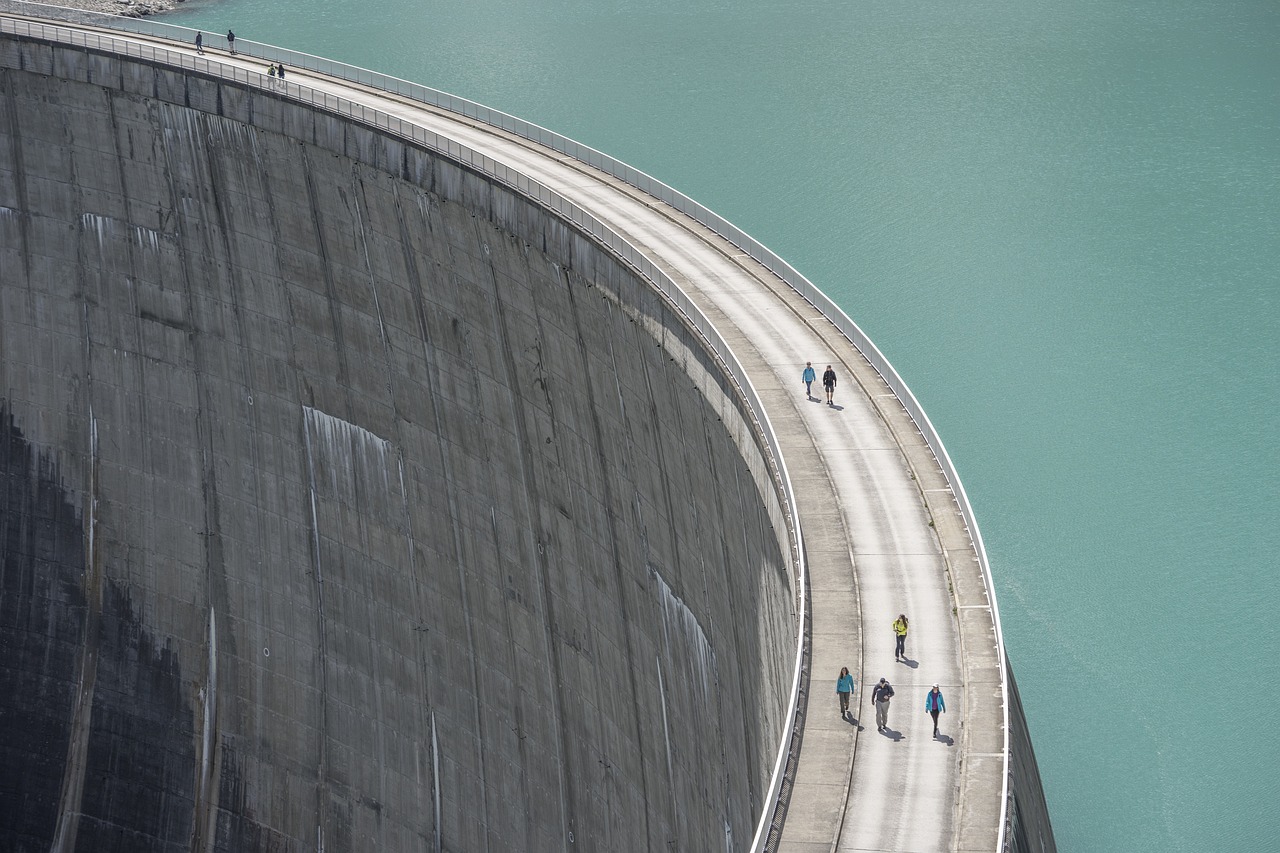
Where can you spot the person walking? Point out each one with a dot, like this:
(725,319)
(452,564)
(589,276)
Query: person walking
(231,42)
(900,629)
(200,43)
(807,378)
(280,71)
(829,383)
(880,697)
(934,705)
(844,689)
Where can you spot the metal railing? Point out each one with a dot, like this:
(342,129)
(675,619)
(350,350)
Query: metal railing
(484,164)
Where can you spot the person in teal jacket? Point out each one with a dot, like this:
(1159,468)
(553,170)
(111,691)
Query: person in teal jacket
(844,689)
(807,378)
(933,705)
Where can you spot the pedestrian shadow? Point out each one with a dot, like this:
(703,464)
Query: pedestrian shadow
(852,720)
(837,407)
(914,664)
(945,740)
(891,734)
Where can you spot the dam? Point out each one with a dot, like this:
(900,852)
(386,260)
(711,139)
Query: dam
(383,473)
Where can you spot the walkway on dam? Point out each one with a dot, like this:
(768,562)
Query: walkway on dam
(882,532)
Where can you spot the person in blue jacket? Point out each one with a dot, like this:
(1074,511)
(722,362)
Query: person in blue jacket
(807,377)
(934,705)
(844,689)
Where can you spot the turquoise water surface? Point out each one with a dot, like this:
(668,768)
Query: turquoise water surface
(1061,222)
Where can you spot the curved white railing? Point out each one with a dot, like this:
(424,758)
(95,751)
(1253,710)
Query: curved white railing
(523,184)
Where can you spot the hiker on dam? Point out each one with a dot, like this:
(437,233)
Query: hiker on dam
(807,378)
(900,633)
(829,383)
(880,697)
(231,41)
(200,43)
(934,705)
(844,689)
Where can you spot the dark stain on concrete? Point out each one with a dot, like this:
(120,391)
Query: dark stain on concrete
(42,607)
(139,773)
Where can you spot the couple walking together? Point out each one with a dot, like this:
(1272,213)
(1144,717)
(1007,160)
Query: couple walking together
(828,381)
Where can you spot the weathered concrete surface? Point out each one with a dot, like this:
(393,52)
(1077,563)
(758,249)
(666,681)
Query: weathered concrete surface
(352,501)
(882,528)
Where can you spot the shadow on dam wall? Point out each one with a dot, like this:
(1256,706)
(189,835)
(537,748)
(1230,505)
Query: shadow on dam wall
(353,500)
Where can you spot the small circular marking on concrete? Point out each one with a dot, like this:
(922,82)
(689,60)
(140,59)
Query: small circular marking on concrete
(266,653)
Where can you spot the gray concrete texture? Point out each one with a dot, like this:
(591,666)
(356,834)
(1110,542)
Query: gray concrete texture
(354,502)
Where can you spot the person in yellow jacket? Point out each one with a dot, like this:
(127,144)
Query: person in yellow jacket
(900,628)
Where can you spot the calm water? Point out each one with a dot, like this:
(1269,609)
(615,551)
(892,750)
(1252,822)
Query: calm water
(1060,219)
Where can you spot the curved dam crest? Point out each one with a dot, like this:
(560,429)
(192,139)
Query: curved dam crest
(435,462)
(418,519)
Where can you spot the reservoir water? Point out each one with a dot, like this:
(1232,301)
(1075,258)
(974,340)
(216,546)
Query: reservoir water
(1061,222)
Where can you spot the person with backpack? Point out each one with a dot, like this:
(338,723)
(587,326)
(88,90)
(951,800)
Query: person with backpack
(231,42)
(829,383)
(844,689)
(880,697)
(934,705)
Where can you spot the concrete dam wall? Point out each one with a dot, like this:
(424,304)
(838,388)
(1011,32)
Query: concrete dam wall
(353,501)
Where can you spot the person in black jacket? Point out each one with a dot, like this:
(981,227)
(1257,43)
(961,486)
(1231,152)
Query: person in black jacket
(880,697)
(829,383)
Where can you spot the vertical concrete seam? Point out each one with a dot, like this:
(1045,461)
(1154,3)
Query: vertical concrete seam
(517,708)
(659,450)
(19,170)
(530,493)
(597,433)
(682,451)
(464,595)
(317,572)
(199,149)
(67,826)
(426,712)
(450,488)
(745,699)
(357,195)
(68,823)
